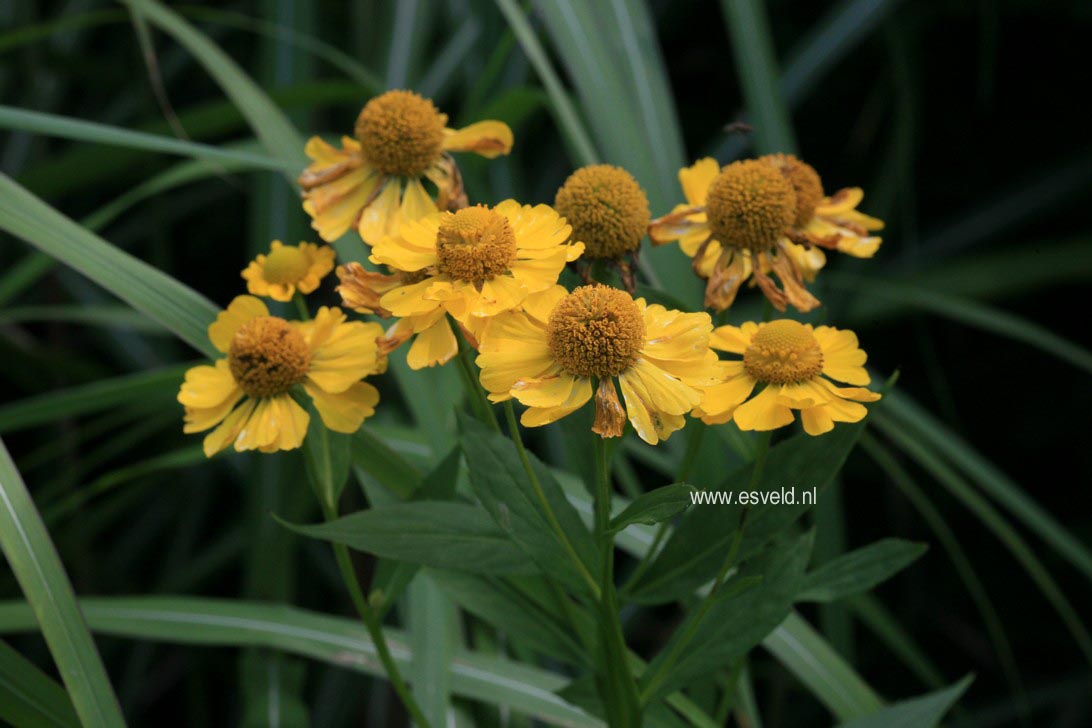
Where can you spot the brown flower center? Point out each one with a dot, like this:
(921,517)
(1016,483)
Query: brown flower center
(401,133)
(475,245)
(750,205)
(268,356)
(607,209)
(596,331)
(805,182)
(783,352)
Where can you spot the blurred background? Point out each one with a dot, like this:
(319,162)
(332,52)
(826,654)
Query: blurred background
(962,121)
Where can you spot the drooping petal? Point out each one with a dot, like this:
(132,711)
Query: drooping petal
(415,201)
(610,418)
(487,138)
(434,346)
(720,400)
(345,411)
(229,429)
(578,397)
(763,412)
(208,394)
(410,300)
(382,216)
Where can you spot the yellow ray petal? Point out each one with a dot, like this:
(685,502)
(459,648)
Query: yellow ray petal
(239,312)
(764,412)
(434,346)
(348,354)
(382,216)
(735,339)
(415,201)
(346,411)
(843,359)
(487,138)
(229,429)
(697,178)
(578,397)
(410,300)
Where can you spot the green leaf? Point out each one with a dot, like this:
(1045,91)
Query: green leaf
(445,535)
(378,459)
(696,547)
(162,298)
(273,701)
(533,512)
(924,712)
(88,131)
(859,570)
(83,399)
(269,123)
(29,697)
(41,576)
(336,641)
(526,609)
(828,677)
(736,622)
(655,506)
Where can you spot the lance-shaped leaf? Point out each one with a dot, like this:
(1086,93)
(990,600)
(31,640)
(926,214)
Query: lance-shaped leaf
(860,570)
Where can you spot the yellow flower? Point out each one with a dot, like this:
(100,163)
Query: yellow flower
(374,182)
(607,209)
(287,269)
(472,264)
(824,222)
(794,363)
(757,217)
(246,395)
(550,354)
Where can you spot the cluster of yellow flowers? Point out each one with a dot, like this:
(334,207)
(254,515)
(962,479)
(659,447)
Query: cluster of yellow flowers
(490,275)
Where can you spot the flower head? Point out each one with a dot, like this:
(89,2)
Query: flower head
(552,353)
(762,216)
(472,264)
(794,364)
(246,396)
(607,209)
(375,180)
(287,269)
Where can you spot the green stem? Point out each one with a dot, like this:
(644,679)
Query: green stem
(478,401)
(686,468)
(532,477)
(371,623)
(706,604)
(621,686)
(301,307)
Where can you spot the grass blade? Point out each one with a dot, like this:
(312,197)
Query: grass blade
(36,565)
(994,521)
(829,678)
(967,312)
(582,151)
(93,397)
(29,697)
(756,63)
(269,123)
(162,298)
(989,478)
(334,640)
(94,133)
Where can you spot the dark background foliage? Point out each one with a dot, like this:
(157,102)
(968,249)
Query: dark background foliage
(963,121)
